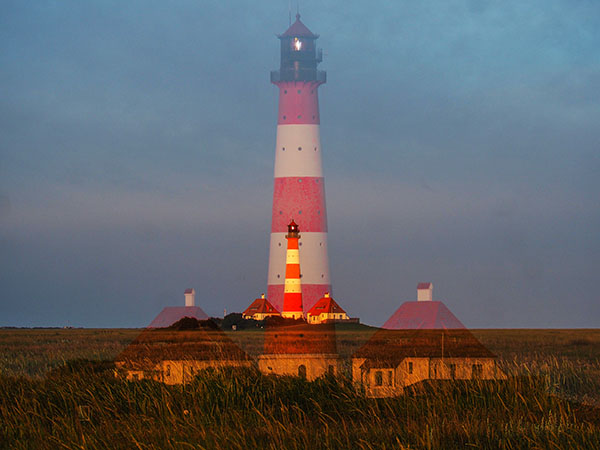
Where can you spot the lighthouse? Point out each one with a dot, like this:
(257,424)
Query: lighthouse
(292,291)
(299,188)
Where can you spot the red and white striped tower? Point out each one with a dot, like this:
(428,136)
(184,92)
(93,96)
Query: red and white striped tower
(299,190)
(292,292)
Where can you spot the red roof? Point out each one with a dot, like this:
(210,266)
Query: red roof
(171,314)
(260,306)
(298,29)
(326,305)
(423,316)
(423,285)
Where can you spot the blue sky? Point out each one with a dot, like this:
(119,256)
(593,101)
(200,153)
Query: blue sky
(460,144)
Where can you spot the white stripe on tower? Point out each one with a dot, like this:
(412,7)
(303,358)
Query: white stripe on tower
(298,151)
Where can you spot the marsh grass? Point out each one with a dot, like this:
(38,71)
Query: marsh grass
(549,401)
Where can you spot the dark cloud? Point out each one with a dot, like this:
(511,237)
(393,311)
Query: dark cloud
(460,146)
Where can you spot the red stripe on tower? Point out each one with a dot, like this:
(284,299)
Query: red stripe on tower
(299,188)
(298,103)
(302,198)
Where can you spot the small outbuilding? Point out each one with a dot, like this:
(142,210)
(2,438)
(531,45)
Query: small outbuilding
(307,351)
(393,360)
(421,341)
(175,356)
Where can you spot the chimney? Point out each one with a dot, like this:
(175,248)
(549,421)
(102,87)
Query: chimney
(424,292)
(190,295)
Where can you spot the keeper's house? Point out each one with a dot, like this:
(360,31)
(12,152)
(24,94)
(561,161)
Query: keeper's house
(393,360)
(326,310)
(307,351)
(260,309)
(175,356)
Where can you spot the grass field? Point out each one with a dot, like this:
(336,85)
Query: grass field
(50,398)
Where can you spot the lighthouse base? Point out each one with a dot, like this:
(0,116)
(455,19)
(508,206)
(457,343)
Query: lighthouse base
(292,315)
(308,366)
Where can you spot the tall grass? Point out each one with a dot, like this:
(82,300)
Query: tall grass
(49,399)
(244,409)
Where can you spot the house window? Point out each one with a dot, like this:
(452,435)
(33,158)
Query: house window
(378,378)
(389,381)
(410,367)
(168,370)
(476,371)
(453,371)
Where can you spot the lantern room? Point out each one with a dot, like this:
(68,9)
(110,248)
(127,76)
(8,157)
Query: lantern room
(293,230)
(299,55)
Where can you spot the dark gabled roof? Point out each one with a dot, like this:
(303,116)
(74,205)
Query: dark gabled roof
(189,291)
(387,348)
(171,314)
(300,339)
(298,29)
(423,285)
(153,346)
(427,315)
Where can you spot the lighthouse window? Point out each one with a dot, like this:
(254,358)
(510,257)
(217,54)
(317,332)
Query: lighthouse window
(319,211)
(300,212)
(277,275)
(299,116)
(283,148)
(322,276)
(284,117)
(299,91)
(285,91)
(299,149)
(315,149)
(320,244)
(280,212)
(314,117)
(280,244)
(299,180)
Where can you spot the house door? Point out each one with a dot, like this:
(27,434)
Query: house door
(302,371)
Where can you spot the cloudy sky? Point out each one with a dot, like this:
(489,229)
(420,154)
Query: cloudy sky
(461,145)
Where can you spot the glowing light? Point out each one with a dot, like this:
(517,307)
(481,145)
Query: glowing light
(297,44)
